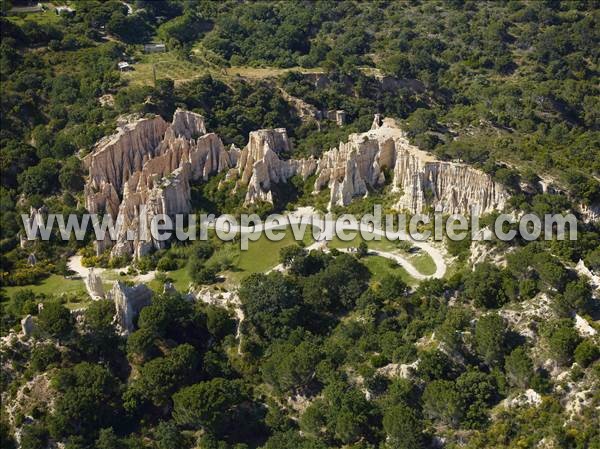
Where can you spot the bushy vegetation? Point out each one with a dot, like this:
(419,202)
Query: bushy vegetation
(328,354)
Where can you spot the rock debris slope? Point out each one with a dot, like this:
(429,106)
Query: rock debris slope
(146,168)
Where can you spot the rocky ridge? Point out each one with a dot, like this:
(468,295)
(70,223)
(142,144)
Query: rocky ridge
(145,169)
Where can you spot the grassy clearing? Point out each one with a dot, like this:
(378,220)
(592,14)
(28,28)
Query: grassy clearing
(171,65)
(380,267)
(48,17)
(262,255)
(180,279)
(420,259)
(167,65)
(258,73)
(52,285)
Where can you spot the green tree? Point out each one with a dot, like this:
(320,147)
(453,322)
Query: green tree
(168,436)
(391,287)
(552,273)
(160,377)
(100,338)
(484,286)
(88,400)
(42,356)
(71,175)
(398,65)
(562,339)
(107,439)
(292,440)
(442,401)
(519,367)
(578,294)
(55,320)
(435,365)
(362,250)
(289,366)
(41,178)
(402,427)
(421,120)
(338,286)
(478,391)
(450,331)
(288,254)
(271,304)
(587,352)
(214,405)
(35,436)
(490,338)
(219,322)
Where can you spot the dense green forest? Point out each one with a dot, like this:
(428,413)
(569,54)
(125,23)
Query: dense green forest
(329,354)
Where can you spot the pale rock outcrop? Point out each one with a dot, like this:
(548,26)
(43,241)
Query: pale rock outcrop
(583,327)
(418,178)
(145,170)
(27,326)
(305,111)
(529,398)
(93,284)
(590,213)
(377,121)
(594,279)
(116,158)
(169,288)
(129,301)
(259,164)
(452,186)
(403,370)
(34,222)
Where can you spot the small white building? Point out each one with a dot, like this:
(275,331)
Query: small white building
(155,48)
(124,66)
(68,11)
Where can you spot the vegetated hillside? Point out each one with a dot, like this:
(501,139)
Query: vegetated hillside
(329,354)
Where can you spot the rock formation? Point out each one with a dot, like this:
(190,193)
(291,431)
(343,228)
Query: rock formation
(129,301)
(259,164)
(27,325)
(93,284)
(145,169)
(420,180)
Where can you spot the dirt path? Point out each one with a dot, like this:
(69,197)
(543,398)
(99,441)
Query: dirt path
(300,217)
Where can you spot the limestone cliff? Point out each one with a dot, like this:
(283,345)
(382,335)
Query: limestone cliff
(115,158)
(419,180)
(129,301)
(145,169)
(260,165)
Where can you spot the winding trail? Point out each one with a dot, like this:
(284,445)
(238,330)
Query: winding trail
(300,221)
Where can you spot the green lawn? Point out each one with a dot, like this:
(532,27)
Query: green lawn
(170,65)
(380,267)
(420,259)
(52,285)
(180,278)
(42,18)
(167,65)
(262,254)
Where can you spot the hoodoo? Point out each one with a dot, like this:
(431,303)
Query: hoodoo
(146,168)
